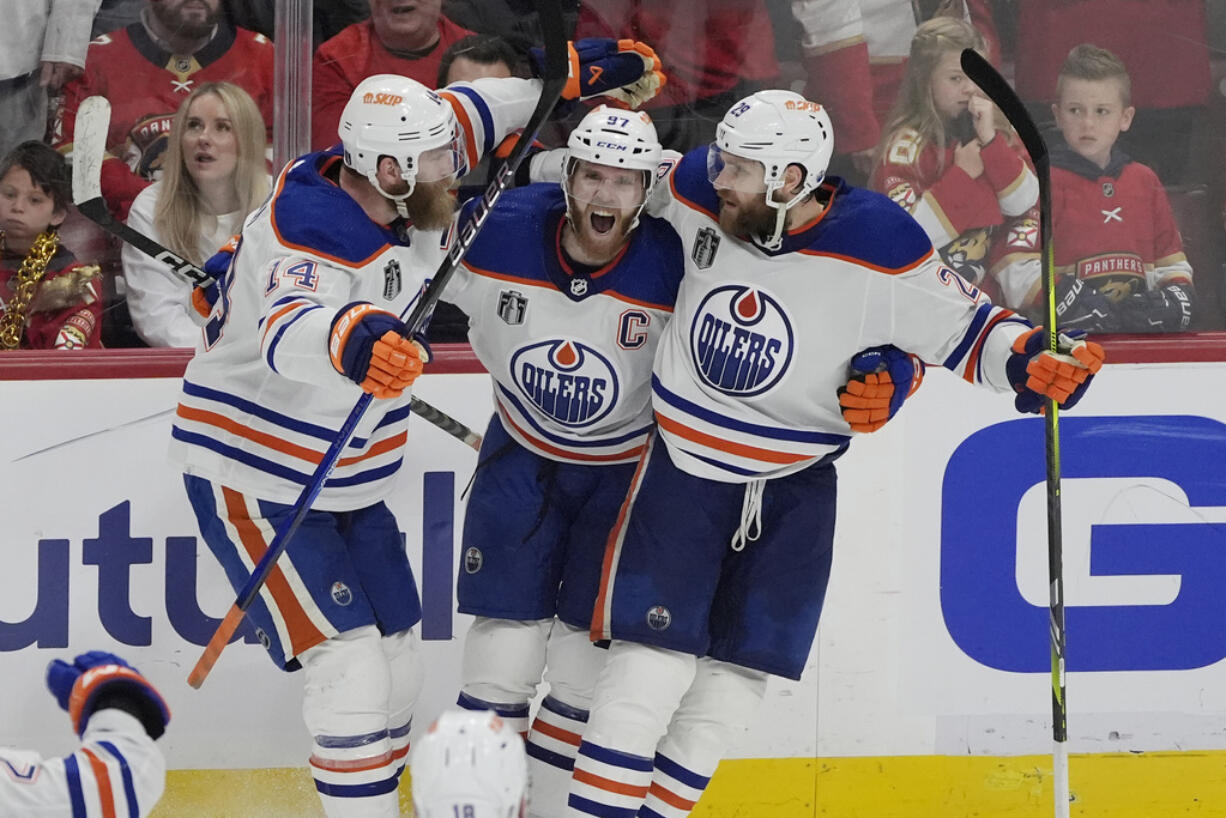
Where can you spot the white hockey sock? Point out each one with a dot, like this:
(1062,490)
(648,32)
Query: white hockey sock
(502,666)
(344,706)
(572,665)
(403,652)
(638,691)
(718,709)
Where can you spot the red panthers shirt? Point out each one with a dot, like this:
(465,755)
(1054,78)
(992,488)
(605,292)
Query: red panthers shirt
(60,325)
(146,85)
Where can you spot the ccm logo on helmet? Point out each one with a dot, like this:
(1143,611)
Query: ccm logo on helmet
(611,145)
(382,99)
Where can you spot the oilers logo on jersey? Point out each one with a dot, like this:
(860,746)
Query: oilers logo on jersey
(741,340)
(566,379)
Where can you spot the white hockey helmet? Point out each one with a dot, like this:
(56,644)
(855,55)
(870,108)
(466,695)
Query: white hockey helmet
(469,763)
(615,138)
(777,128)
(390,115)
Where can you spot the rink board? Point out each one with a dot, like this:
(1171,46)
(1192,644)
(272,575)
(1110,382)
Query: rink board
(930,670)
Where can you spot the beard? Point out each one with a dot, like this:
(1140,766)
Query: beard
(189,28)
(749,219)
(594,244)
(431,205)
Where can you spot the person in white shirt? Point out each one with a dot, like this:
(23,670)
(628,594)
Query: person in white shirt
(42,46)
(213,175)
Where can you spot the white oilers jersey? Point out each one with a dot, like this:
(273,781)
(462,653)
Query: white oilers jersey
(261,405)
(117,770)
(748,373)
(570,350)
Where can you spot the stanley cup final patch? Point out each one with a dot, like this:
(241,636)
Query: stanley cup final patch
(706,243)
(391,280)
(511,306)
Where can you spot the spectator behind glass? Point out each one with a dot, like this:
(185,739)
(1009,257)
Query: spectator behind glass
(214,175)
(402,38)
(42,46)
(1164,45)
(946,157)
(49,300)
(146,69)
(1118,255)
(474,57)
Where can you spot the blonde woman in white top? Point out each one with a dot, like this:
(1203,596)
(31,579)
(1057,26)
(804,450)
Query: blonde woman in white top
(213,176)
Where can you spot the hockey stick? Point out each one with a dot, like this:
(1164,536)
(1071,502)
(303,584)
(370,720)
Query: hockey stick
(994,86)
(89,140)
(555,78)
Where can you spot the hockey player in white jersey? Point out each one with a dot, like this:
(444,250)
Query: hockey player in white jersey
(117,770)
(568,290)
(305,319)
(789,276)
(470,765)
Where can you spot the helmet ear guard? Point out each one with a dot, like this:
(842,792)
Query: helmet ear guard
(615,138)
(778,129)
(390,115)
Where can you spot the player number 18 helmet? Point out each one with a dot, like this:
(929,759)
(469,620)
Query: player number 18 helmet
(615,138)
(469,764)
(778,129)
(390,115)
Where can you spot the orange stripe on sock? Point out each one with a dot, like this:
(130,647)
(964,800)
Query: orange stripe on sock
(609,785)
(671,798)
(553,731)
(353,765)
(302,631)
(105,795)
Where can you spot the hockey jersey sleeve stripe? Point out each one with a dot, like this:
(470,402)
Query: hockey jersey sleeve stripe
(466,125)
(103,779)
(76,795)
(483,111)
(294,304)
(129,786)
(972,333)
(971,373)
(271,355)
(778,433)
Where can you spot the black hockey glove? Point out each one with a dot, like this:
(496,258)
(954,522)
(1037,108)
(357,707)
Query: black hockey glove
(1166,309)
(1081,306)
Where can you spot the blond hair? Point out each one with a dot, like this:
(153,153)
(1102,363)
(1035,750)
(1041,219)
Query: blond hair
(915,108)
(1089,62)
(180,205)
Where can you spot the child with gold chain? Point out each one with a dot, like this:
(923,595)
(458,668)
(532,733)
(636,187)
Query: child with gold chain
(48,300)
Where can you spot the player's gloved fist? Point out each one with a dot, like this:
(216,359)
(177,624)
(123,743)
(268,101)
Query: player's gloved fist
(369,346)
(1081,306)
(881,379)
(98,680)
(204,299)
(1038,374)
(626,70)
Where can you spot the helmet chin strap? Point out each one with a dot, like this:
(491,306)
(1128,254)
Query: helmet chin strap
(397,200)
(775,240)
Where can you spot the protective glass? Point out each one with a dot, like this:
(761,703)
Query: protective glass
(731,172)
(438,163)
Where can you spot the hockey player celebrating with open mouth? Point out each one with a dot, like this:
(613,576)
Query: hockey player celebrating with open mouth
(568,290)
(305,320)
(789,277)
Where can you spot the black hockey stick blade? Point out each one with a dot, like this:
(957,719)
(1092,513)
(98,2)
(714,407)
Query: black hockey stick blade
(1000,92)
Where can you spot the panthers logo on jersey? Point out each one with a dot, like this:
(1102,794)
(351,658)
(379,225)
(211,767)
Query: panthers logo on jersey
(741,340)
(566,379)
